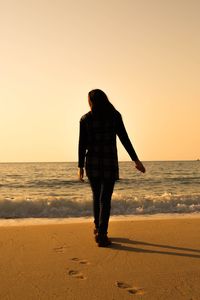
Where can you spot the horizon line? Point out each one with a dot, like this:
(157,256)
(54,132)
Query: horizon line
(35,162)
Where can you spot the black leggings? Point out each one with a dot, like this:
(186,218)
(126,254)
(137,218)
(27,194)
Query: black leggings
(102,194)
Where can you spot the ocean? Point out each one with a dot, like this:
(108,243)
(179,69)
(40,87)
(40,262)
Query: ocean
(52,190)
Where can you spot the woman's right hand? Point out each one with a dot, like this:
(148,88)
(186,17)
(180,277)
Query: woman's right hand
(139,166)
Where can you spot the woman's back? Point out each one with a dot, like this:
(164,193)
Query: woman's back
(100,137)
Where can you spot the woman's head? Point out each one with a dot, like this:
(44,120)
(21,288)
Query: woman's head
(99,103)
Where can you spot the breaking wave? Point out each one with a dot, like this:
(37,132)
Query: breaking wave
(64,208)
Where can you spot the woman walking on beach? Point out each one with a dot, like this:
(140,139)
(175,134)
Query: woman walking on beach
(97,144)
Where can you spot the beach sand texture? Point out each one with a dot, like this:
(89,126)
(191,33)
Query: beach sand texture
(149,259)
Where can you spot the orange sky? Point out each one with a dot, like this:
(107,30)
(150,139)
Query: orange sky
(143,54)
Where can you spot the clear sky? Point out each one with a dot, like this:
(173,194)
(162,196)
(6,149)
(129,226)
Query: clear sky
(144,54)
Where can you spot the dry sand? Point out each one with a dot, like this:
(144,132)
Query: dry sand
(149,259)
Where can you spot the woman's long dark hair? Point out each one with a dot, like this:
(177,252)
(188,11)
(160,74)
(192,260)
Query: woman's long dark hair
(100,105)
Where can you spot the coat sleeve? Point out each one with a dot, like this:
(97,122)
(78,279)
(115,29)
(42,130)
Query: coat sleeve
(82,146)
(123,136)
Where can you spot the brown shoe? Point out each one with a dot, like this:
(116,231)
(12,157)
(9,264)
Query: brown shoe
(103,240)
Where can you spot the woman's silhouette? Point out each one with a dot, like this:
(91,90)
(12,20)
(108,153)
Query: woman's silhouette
(97,143)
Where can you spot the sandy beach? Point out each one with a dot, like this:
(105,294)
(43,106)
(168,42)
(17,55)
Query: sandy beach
(149,259)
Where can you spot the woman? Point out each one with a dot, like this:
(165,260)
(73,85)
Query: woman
(97,143)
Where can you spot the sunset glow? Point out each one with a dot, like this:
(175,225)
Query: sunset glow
(143,54)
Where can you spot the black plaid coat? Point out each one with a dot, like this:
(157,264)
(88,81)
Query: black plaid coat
(97,145)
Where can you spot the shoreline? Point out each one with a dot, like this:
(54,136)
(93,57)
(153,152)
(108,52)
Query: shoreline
(78,220)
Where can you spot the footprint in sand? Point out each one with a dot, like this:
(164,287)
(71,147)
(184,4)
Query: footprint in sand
(80,261)
(76,274)
(60,249)
(129,289)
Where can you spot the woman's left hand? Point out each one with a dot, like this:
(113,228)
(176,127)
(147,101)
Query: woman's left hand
(81,174)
